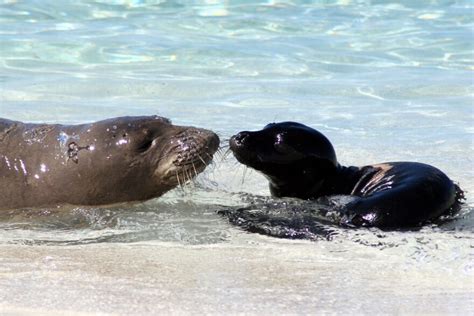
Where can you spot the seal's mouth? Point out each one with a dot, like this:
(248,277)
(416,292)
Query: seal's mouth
(190,152)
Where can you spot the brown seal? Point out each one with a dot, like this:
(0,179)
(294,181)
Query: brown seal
(116,160)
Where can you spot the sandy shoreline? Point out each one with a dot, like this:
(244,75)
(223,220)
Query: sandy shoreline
(258,278)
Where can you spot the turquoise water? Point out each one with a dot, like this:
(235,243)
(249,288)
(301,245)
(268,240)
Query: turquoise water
(384,80)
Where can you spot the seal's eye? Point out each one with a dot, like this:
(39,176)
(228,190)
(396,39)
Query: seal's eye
(281,146)
(285,148)
(144,142)
(144,145)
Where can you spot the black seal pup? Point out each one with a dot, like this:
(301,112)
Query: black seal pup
(300,162)
(116,160)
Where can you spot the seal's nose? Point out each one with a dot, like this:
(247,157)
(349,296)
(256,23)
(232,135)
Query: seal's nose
(213,142)
(240,137)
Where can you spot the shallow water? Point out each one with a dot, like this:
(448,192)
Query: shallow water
(384,80)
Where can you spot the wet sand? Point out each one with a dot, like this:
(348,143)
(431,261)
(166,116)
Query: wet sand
(251,276)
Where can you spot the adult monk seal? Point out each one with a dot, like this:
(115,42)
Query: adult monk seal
(300,162)
(116,160)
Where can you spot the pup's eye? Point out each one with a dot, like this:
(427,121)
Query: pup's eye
(284,145)
(280,145)
(280,137)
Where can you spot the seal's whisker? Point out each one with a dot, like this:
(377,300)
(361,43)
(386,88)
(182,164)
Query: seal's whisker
(189,175)
(185,176)
(211,161)
(243,175)
(217,155)
(235,170)
(177,178)
(200,158)
(221,154)
(184,179)
(195,171)
(227,153)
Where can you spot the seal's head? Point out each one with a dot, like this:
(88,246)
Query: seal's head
(294,157)
(135,158)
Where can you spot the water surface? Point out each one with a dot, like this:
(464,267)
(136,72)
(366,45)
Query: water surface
(384,80)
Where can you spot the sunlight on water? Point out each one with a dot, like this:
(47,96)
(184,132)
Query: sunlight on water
(384,80)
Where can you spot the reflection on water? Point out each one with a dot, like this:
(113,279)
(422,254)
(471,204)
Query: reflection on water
(202,219)
(181,221)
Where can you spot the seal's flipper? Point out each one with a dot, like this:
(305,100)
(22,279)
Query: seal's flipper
(285,219)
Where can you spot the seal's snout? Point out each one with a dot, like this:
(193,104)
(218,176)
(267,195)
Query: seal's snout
(239,141)
(213,142)
(240,138)
(195,147)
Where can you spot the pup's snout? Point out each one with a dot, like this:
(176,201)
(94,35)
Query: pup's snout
(239,138)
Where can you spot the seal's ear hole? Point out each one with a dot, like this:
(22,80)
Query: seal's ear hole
(124,135)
